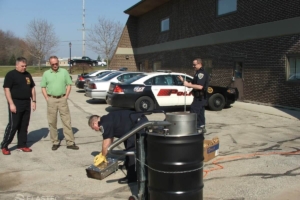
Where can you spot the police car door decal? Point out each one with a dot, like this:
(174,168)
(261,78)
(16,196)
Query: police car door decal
(184,93)
(164,92)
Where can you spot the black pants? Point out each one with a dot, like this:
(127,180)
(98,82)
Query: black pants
(18,121)
(198,107)
(130,146)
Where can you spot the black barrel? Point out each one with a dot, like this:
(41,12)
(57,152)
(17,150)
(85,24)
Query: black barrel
(175,162)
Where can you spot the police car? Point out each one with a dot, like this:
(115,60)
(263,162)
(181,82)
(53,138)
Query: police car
(150,91)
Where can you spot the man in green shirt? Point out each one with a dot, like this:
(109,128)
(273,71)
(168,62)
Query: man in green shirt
(56,87)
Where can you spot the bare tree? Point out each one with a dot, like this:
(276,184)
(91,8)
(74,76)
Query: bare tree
(9,47)
(104,36)
(41,39)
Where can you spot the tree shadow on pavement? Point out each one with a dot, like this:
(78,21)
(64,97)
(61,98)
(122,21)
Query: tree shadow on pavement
(37,135)
(34,136)
(96,101)
(61,135)
(80,91)
(293,112)
(110,109)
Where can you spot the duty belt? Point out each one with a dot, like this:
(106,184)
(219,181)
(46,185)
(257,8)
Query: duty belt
(56,97)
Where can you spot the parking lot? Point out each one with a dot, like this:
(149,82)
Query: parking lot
(259,155)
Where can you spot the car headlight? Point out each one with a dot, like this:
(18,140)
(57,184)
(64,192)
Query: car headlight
(231,90)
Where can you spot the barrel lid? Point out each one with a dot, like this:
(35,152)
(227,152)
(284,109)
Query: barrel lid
(181,116)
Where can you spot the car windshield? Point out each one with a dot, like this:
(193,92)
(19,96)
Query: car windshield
(134,78)
(91,73)
(103,74)
(110,76)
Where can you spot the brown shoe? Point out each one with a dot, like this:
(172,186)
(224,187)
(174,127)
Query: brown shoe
(55,147)
(74,147)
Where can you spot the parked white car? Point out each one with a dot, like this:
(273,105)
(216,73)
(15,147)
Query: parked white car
(98,89)
(101,63)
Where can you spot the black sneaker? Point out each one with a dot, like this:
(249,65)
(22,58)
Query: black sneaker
(55,147)
(201,130)
(74,147)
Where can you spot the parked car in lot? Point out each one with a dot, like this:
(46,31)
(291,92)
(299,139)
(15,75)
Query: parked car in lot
(83,60)
(97,78)
(101,63)
(150,91)
(98,89)
(81,78)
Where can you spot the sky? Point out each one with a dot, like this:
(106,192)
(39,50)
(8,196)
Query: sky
(66,16)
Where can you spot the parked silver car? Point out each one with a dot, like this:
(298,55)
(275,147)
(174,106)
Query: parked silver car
(99,89)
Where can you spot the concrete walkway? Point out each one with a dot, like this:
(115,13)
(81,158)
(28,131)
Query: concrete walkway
(242,129)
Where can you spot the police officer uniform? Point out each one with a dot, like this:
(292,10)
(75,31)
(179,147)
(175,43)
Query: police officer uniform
(20,85)
(117,124)
(199,101)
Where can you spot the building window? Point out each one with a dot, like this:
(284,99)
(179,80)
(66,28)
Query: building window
(140,67)
(226,6)
(293,69)
(238,70)
(156,66)
(165,25)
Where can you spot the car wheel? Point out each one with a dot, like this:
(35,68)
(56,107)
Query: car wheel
(216,102)
(94,64)
(144,104)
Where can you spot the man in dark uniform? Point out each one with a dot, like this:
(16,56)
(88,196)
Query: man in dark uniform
(115,125)
(199,85)
(19,91)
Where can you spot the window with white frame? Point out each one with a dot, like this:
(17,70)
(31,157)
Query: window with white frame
(165,24)
(293,68)
(226,6)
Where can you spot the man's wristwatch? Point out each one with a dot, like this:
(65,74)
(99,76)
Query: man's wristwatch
(34,101)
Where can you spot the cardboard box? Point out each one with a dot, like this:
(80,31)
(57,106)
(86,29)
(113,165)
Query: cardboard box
(211,148)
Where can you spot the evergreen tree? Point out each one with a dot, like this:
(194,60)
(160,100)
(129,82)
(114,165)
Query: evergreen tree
(12,60)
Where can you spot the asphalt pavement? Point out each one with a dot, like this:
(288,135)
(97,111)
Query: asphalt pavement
(259,155)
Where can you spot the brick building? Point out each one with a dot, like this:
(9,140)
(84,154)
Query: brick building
(252,45)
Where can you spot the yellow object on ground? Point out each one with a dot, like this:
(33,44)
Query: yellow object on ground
(99,159)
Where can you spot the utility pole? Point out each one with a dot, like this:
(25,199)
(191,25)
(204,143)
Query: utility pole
(83,29)
(70,45)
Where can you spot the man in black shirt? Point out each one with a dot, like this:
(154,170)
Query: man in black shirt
(115,125)
(199,85)
(19,91)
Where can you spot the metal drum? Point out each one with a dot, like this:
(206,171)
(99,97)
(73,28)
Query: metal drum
(175,161)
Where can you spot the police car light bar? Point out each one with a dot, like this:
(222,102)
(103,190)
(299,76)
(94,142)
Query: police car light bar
(166,71)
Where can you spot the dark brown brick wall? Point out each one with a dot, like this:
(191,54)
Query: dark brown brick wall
(189,18)
(264,59)
(264,66)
